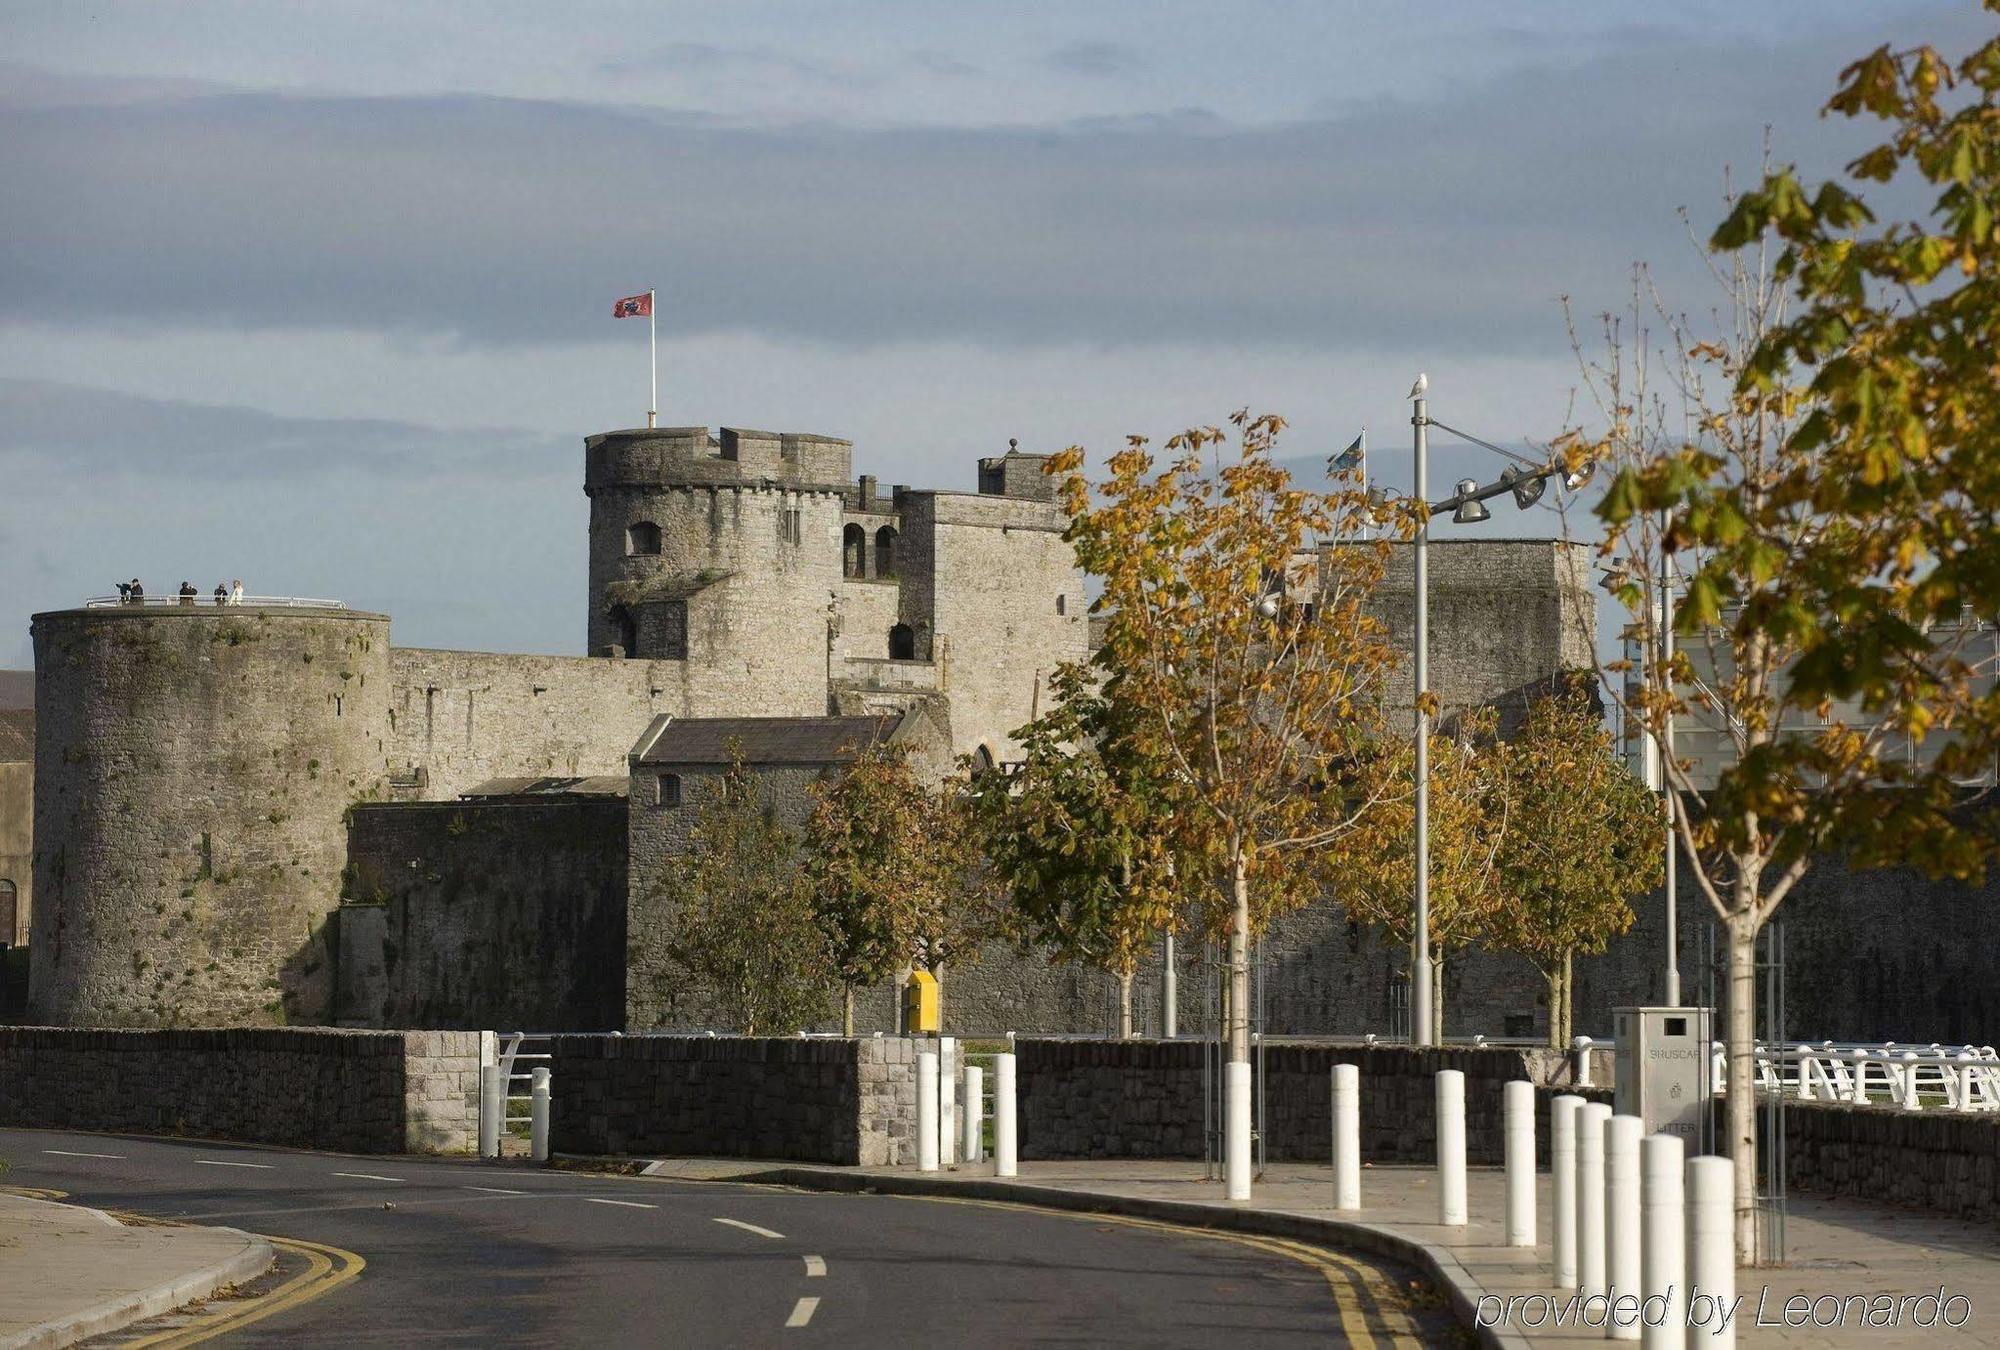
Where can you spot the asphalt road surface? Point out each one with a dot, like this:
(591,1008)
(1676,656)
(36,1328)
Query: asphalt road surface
(479,1253)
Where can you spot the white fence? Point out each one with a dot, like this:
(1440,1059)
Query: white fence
(1911,1077)
(207,600)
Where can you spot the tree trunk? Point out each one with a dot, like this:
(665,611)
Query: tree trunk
(1569,1003)
(1437,998)
(847,1010)
(1125,1005)
(1239,960)
(1553,974)
(1742,1092)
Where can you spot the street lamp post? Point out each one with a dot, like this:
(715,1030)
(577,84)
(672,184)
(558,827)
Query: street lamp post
(1420,939)
(1525,481)
(1673,980)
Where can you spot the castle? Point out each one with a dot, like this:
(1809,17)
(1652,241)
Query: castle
(269,813)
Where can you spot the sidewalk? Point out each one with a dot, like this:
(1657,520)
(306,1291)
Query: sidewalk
(67,1272)
(1835,1247)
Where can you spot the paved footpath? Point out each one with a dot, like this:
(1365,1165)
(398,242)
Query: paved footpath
(1836,1248)
(72,1272)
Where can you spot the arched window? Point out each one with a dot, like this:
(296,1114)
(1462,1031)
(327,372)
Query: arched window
(902,643)
(626,628)
(9,915)
(854,551)
(885,551)
(982,762)
(1062,604)
(642,539)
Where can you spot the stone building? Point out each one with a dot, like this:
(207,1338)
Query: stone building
(269,813)
(17,805)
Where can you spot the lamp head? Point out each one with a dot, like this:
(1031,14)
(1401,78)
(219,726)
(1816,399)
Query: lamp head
(1527,488)
(1268,606)
(1423,383)
(1469,512)
(1577,477)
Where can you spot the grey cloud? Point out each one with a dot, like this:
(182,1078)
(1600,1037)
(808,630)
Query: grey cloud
(465,538)
(1095,58)
(1448,226)
(54,431)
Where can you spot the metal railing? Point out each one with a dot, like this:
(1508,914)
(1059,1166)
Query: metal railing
(207,600)
(517,1075)
(1877,1073)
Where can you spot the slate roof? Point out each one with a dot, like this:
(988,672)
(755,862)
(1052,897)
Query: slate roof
(764,740)
(17,734)
(599,786)
(17,689)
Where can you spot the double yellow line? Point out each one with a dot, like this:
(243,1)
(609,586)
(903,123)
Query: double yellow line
(1371,1311)
(327,1268)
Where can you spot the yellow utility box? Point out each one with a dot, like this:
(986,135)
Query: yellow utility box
(920,1003)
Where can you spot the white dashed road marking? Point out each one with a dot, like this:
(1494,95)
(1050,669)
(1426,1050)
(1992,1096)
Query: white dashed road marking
(495,1190)
(760,1232)
(71,1153)
(216,1162)
(366,1176)
(802,1312)
(628,1204)
(815,1267)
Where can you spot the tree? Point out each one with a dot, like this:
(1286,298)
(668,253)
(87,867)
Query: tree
(744,922)
(1234,607)
(1820,639)
(1469,818)
(893,873)
(1072,833)
(1583,837)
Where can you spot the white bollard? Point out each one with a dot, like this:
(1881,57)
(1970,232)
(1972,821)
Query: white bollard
(1662,1239)
(1906,1087)
(1562,1188)
(538,1115)
(1005,1163)
(1346,1137)
(1451,1146)
(1582,1045)
(1711,1252)
(1518,1099)
(492,1105)
(947,1100)
(927,1111)
(1236,1130)
(973,1112)
(1621,1225)
(1590,1197)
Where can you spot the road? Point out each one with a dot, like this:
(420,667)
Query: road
(484,1253)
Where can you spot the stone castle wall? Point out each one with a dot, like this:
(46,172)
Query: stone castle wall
(191,770)
(356,1091)
(505,915)
(464,717)
(1006,606)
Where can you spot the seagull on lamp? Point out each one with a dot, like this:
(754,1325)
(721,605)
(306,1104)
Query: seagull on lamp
(1423,383)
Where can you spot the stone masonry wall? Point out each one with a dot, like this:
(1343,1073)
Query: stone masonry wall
(727,1096)
(503,914)
(1144,1099)
(355,1091)
(1940,1161)
(464,717)
(191,767)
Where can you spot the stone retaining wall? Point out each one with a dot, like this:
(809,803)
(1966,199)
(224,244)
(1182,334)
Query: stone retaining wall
(1144,1099)
(353,1091)
(820,1100)
(1940,1161)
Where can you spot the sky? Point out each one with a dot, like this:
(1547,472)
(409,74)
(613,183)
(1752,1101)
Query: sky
(318,295)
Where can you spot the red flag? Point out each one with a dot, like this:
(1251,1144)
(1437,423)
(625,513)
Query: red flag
(633,307)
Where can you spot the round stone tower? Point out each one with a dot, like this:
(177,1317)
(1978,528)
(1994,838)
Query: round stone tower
(193,767)
(722,553)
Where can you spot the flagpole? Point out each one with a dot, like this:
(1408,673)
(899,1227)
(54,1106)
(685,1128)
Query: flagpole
(652,361)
